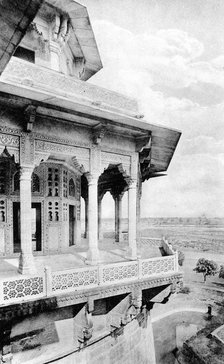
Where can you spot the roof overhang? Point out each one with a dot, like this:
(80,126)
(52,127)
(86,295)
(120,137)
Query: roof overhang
(82,36)
(15,17)
(163,140)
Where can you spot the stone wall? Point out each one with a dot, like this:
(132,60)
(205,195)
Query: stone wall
(134,346)
(57,336)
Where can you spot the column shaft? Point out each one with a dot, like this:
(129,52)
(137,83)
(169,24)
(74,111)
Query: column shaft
(93,252)
(119,217)
(116,219)
(100,231)
(26,261)
(132,246)
(86,233)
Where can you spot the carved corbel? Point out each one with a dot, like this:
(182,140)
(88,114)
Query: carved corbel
(30,116)
(98,133)
(87,330)
(143,142)
(137,299)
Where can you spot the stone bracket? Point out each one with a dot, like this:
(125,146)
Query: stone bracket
(143,141)
(30,117)
(98,133)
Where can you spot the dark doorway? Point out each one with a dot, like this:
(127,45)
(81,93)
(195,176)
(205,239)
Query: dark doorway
(16,227)
(71,224)
(35,226)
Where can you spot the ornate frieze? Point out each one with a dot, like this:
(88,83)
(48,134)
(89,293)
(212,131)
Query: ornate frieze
(82,154)
(71,142)
(9,140)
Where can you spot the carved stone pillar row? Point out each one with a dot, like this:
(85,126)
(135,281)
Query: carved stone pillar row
(86,232)
(93,252)
(132,245)
(26,260)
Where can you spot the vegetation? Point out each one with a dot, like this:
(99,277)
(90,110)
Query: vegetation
(221,272)
(181,258)
(185,290)
(206,267)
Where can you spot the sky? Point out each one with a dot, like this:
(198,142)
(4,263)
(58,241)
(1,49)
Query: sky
(169,55)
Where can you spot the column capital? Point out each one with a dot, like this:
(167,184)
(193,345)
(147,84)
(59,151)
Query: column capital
(132,184)
(26,172)
(92,178)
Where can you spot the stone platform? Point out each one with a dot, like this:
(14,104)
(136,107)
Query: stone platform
(75,257)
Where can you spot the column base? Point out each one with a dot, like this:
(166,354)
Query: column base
(26,264)
(92,257)
(6,358)
(131,253)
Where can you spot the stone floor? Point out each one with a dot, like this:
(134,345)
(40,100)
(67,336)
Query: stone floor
(110,252)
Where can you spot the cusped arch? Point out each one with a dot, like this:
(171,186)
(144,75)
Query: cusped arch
(114,179)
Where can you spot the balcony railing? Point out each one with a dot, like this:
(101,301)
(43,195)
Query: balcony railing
(50,284)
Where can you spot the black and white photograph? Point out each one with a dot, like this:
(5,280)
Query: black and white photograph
(111,182)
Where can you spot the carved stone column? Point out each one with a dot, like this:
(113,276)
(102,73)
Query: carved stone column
(138,208)
(116,217)
(26,261)
(118,212)
(93,252)
(132,246)
(86,232)
(100,231)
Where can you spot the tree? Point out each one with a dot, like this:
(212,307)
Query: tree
(181,258)
(206,267)
(221,272)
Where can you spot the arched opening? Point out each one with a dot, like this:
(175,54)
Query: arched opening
(108,217)
(115,181)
